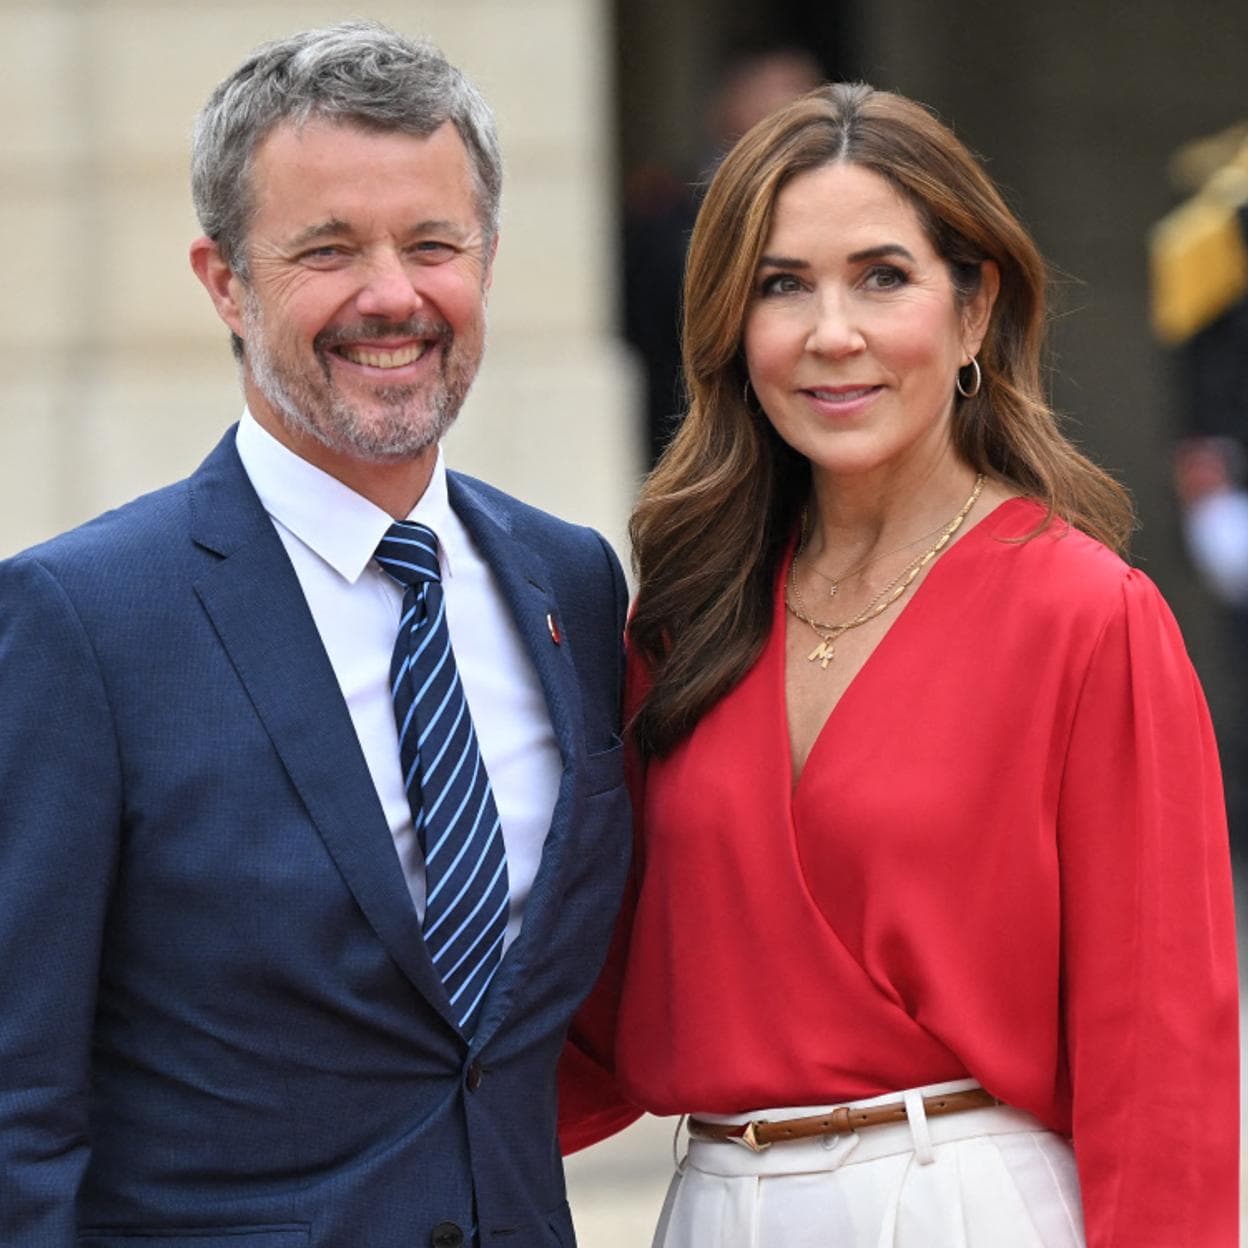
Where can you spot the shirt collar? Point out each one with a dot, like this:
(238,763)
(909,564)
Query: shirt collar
(342,527)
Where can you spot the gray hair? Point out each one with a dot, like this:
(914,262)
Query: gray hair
(358,72)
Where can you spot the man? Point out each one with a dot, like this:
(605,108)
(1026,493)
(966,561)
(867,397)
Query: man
(290,928)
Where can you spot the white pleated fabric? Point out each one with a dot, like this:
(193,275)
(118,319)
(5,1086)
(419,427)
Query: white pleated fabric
(983,1178)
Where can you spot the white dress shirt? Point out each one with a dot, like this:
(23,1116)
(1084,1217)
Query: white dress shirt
(331,534)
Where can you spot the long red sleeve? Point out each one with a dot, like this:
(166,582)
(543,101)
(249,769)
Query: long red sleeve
(1006,858)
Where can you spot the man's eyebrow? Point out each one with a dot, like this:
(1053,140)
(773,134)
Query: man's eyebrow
(437,226)
(336,228)
(333,228)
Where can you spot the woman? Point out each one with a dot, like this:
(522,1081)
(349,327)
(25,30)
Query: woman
(932,873)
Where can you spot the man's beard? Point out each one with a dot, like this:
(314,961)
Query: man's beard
(400,422)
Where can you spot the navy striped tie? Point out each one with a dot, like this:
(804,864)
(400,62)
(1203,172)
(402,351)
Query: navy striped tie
(466,887)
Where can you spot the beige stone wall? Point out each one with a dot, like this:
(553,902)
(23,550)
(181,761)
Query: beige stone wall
(115,375)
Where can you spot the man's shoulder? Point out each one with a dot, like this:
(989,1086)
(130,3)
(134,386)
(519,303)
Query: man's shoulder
(141,538)
(506,508)
(136,530)
(522,520)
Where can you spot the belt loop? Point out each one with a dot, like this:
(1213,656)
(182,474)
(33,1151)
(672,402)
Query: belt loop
(679,1161)
(917,1117)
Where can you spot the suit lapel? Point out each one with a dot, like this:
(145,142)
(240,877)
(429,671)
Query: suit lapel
(523,579)
(257,607)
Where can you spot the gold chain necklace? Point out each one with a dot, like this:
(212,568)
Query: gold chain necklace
(828,633)
(834,583)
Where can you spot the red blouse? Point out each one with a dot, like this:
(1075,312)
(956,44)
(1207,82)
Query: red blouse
(1006,857)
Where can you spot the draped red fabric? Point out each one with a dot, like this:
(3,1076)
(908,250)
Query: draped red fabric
(1006,858)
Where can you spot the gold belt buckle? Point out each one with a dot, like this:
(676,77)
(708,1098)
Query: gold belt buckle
(749,1137)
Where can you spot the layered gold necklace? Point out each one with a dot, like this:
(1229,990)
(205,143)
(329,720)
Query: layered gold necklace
(829,632)
(834,583)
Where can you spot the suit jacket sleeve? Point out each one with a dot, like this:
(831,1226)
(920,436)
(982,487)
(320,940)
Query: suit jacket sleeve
(591,1104)
(60,814)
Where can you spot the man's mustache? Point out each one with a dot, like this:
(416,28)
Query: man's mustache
(417,327)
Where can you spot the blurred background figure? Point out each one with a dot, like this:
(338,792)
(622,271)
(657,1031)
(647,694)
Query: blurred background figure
(1198,261)
(1209,480)
(754,85)
(659,207)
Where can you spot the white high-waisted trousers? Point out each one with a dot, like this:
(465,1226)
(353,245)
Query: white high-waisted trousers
(982,1178)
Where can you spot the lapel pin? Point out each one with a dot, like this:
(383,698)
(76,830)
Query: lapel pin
(553,625)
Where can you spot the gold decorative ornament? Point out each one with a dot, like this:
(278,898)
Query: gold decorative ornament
(829,632)
(834,583)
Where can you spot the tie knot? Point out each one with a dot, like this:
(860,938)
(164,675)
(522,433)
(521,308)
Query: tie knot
(409,553)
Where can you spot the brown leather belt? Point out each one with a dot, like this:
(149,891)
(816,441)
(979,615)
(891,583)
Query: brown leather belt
(759,1133)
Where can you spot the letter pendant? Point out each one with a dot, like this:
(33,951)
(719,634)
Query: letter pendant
(823,652)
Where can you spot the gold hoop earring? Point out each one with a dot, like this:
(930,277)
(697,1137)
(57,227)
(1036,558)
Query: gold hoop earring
(977,379)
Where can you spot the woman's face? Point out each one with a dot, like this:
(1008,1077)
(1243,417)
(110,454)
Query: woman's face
(853,337)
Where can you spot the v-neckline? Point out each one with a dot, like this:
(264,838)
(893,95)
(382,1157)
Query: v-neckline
(780,627)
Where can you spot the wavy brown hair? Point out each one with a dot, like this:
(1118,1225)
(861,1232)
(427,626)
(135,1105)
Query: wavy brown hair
(710,528)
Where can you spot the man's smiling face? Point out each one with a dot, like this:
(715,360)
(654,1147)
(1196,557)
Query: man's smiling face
(363,308)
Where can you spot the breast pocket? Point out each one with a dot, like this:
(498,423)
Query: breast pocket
(604,770)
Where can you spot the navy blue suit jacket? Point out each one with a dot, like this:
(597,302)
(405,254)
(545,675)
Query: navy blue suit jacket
(218,1022)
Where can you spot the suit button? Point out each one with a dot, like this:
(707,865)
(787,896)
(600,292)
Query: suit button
(447,1235)
(474,1076)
